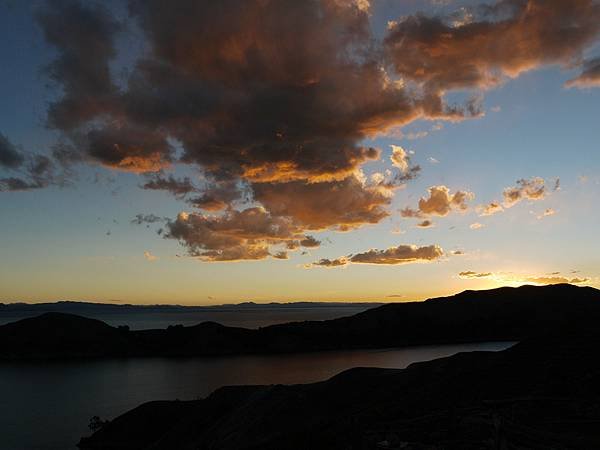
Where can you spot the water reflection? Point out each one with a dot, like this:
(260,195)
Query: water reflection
(47,406)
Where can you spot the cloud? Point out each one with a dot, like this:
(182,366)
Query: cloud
(547,212)
(234,235)
(150,257)
(33,171)
(177,187)
(402,254)
(425,224)
(280,255)
(531,189)
(470,274)
(10,157)
(400,158)
(310,242)
(501,40)
(589,77)
(147,218)
(271,102)
(344,204)
(526,189)
(329,263)
(269,91)
(490,209)
(128,148)
(218,196)
(84,35)
(439,203)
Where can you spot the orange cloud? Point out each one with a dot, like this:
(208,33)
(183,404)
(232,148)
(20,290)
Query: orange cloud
(504,40)
(491,209)
(150,257)
(236,235)
(345,204)
(402,254)
(532,189)
(439,203)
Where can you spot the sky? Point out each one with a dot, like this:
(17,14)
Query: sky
(273,150)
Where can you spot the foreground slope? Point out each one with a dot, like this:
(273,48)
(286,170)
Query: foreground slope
(543,393)
(471,316)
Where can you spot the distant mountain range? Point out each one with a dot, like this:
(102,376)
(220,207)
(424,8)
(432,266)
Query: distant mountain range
(510,314)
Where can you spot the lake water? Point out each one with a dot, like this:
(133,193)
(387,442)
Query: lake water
(47,406)
(259,316)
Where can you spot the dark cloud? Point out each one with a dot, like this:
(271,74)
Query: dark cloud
(147,218)
(250,88)
(131,149)
(425,224)
(218,196)
(179,187)
(589,77)
(84,36)
(338,262)
(16,184)
(33,171)
(254,91)
(10,157)
(310,242)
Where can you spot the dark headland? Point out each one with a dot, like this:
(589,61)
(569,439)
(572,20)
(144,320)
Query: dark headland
(505,314)
(543,393)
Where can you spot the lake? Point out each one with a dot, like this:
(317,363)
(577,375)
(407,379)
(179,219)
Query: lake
(47,406)
(259,315)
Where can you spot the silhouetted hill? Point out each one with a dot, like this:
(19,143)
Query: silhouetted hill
(471,316)
(543,393)
(58,335)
